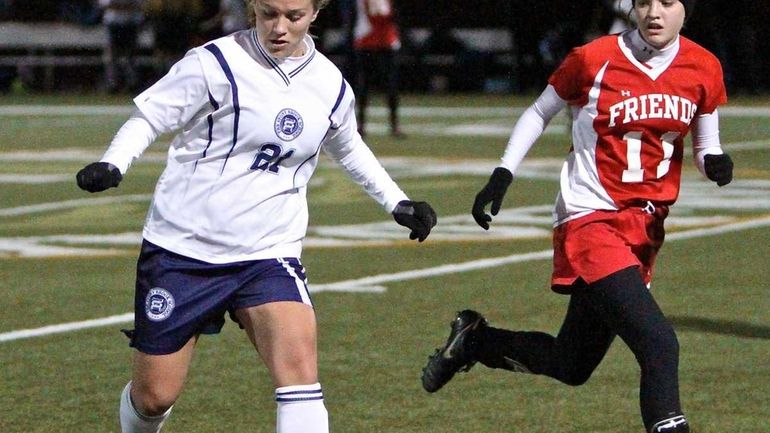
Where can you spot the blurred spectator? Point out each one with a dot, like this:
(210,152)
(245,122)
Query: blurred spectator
(231,16)
(5,10)
(122,19)
(33,10)
(347,19)
(234,16)
(174,23)
(7,77)
(82,12)
(621,13)
(740,23)
(450,63)
(376,42)
(209,23)
(526,23)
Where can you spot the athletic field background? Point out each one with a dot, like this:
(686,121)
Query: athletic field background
(67,264)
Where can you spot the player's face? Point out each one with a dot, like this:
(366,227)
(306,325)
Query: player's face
(283,24)
(659,21)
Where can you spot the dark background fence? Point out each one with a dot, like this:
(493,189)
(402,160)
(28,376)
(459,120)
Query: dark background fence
(449,45)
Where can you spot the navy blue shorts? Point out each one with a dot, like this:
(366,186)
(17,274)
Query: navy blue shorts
(178,297)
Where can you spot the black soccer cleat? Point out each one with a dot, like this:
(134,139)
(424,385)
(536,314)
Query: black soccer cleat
(457,353)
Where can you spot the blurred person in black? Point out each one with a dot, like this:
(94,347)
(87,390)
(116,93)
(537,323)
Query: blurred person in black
(739,22)
(7,73)
(229,16)
(175,25)
(122,19)
(81,12)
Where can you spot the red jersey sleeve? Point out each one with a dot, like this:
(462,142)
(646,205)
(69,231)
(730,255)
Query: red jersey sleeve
(567,78)
(716,94)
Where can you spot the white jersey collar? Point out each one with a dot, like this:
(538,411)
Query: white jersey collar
(285,67)
(285,62)
(650,60)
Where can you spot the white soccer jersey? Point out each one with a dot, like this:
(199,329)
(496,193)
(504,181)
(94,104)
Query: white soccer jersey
(250,131)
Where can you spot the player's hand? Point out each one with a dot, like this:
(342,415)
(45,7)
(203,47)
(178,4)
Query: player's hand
(493,192)
(98,176)
(418,216)
(719,168)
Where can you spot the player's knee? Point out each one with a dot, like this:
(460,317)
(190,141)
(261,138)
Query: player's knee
(663,342)
(295,365)
(660,353)
(298,370)
(152,401)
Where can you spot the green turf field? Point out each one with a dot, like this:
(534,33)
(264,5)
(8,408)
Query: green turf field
(383,303)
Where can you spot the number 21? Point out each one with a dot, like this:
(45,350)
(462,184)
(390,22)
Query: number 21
(635,173)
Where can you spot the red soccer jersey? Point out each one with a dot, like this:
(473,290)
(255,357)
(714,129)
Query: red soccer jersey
(375,26)
(629,122)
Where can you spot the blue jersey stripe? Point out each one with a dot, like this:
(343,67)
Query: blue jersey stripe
(269,59)
(343,87)
(299,68)
(210,121)
(236,104)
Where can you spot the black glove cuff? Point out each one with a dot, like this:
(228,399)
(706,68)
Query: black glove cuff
(500,178)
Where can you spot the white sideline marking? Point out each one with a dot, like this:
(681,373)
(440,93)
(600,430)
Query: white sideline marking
(452,268)
(69,204)
(34,179)
(371,283)
(66,327)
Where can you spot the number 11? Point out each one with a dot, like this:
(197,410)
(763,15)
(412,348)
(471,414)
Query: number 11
(635,173)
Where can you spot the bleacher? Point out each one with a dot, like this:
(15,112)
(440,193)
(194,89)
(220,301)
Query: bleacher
(47,54)
(48,48)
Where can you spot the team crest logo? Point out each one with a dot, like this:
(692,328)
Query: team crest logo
(288,124)
(159,304)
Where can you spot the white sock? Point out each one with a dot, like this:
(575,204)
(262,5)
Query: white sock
(301,409)
(131,421)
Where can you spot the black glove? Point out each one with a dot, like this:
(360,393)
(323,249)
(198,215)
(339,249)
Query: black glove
(719,168)
(418,216)
(493,192)
(98,176)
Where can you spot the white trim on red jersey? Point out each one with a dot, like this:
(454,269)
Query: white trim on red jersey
(631,107)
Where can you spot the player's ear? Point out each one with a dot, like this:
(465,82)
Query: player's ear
(315,15)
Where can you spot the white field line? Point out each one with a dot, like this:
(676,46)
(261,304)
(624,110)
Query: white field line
(66,327)
(371,283)
(69,204)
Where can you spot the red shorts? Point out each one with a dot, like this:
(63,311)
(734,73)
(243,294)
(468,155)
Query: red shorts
(603,242)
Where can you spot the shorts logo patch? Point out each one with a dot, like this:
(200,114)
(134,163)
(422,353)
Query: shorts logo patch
(288,124)
(158,304)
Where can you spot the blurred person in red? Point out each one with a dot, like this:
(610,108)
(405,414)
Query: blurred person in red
(376,42)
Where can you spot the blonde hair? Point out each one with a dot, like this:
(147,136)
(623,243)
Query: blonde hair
(250,4)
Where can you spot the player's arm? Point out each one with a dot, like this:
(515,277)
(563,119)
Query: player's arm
(527,130)
(166,106)
(345,146)
(128,144)
(708,155)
